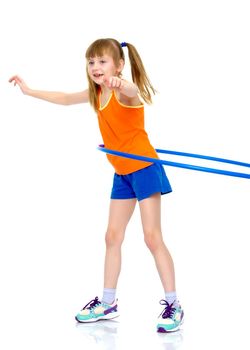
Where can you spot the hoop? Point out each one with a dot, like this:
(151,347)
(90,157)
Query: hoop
(183,165)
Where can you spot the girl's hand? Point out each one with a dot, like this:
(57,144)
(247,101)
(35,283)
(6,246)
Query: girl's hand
(126,88)
(114,83)
(20,82)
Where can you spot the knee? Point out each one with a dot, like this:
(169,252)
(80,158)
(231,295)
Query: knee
(153,239)
(114,237)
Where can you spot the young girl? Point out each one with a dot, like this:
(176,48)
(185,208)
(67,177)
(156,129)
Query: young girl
(120,111)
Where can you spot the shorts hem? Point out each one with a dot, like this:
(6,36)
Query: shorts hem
(145,196)
(122,197)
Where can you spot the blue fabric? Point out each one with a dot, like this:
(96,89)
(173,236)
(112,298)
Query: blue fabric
(141,184)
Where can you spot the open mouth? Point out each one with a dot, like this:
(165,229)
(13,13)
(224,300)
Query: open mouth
(98,75)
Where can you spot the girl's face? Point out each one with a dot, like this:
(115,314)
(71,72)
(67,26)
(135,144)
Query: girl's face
(100,69)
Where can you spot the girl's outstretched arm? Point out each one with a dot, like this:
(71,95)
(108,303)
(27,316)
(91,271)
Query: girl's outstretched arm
(61,98)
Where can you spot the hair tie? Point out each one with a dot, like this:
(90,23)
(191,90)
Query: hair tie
(123,44)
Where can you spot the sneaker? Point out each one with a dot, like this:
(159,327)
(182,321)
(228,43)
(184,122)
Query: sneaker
(96,310)
(171,318)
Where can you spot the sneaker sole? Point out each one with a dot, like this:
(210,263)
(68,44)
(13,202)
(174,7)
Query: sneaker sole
(105,317)
(176,329)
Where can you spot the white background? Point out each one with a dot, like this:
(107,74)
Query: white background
(55,185)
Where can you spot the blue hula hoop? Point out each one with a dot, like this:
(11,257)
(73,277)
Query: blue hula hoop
(182,165)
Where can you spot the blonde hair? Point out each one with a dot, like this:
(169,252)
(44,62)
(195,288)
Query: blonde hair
(113,48)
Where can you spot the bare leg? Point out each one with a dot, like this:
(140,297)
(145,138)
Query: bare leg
(119,216)
(151,221)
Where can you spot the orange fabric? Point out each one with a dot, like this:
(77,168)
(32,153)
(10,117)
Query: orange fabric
(122,129)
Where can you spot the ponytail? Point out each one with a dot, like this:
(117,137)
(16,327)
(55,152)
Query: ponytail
(139,75)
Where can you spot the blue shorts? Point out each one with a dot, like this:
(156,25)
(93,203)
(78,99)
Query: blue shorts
(141,184)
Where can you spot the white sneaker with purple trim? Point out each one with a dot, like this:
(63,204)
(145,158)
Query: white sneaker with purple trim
(96,310)
(171,317)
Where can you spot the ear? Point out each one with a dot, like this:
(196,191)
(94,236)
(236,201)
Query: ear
(121,66)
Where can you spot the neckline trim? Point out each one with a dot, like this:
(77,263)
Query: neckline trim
(120,103)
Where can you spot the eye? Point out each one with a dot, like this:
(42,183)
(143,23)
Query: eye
(91,63)
(103,61)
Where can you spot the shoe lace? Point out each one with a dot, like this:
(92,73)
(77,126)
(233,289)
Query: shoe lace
(168,311)
(92,303)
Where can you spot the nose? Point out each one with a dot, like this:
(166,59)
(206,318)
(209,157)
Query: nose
(95,66)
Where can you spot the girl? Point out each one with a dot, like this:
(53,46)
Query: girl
(120,111)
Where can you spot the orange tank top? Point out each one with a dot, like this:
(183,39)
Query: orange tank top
(122,129)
